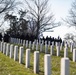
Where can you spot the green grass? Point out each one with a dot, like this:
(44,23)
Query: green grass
(10,67)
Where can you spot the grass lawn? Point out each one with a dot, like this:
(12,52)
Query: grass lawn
(10,67)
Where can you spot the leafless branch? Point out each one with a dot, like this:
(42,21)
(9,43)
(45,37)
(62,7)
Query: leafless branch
(40,15)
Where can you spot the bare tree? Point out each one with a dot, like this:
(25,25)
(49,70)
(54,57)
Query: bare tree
(71,18)
(69,36)
(32,27)
(5,7)
(39,12)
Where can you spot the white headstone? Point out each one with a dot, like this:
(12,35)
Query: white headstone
(37,46)
(1,46)
(46,48)
(23,42)
(71,49)
(11,51)
(39,41)
(65,66)
(30,44)
(48,43)
(53,44)
(74,55)
(58,50)
(33,46)
(26,43)
(41,47)
(43,42)
(36,62)
(27,58)
(15,53)
(66,44)
(16,40)
(65,52)
(61,47)
(21,54)
(7,49)
(57,44)
(19,41)
(47,64)
(51,49)
(4,48)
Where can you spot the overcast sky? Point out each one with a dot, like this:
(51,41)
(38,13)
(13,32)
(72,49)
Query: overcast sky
(61,10)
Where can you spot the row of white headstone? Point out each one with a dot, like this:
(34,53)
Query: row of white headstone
(40,45)
(8,49)
(12,51)
(27,43)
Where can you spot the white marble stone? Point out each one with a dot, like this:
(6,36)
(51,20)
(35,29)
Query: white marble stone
(43,42)
(66,44)
(37,46)
(30,44)
(58,50)
(53,44)
(7,49)
(26,43)
(23,42)
(74,55)
(65,52)
(11,50)
(47,64)
(39,41)
(46,48)
(21,55)
(48,43)
(33,46)
(51,49)
(61,46)
(65,66)
(36,62)
(19,41)
(4,48)
(27,58)
(41,47)
(15,53)
(71,48)
(1,46)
